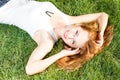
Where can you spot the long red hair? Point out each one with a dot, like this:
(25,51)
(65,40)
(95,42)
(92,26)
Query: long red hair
(89,50)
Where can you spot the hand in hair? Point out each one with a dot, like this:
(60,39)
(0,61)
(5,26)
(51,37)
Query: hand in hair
(69,52)
(99,40)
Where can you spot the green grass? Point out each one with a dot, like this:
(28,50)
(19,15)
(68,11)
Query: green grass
(16,47)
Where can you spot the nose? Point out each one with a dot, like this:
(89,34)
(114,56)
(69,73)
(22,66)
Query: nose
(70,36)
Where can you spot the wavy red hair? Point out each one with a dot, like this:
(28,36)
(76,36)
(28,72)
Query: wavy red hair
(89,50)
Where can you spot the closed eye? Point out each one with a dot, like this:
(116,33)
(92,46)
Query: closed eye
(76,33)
(73,42)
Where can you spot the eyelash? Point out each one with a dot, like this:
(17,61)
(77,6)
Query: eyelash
(76,33)
(73,42)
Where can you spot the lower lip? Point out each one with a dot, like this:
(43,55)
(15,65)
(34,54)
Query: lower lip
(65,34)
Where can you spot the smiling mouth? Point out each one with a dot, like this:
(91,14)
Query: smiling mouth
(65,34)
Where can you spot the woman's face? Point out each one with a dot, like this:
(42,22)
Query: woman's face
(75,36)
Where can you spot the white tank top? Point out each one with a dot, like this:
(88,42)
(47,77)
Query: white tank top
(31,16)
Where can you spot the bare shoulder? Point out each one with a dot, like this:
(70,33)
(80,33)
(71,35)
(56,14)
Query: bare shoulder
(42,36)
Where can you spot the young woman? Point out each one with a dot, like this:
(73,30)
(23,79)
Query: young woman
(46,24)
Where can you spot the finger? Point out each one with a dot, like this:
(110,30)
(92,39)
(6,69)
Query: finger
(100,44)
(69,48)
(77,50)
(98,41)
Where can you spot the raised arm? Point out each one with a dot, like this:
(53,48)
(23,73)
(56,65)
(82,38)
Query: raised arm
(37,64)
(101,18)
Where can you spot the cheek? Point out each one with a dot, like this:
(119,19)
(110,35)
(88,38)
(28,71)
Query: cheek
(68,42)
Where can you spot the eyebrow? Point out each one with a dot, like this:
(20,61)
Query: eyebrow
(75,41)
(77,32)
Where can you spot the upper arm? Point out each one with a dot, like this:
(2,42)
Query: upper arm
(87,17)
(45,45)
(40,51)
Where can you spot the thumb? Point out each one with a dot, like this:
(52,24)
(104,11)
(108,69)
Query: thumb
(77,50)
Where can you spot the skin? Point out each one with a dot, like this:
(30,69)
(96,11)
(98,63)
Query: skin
(37,64)
(73,36)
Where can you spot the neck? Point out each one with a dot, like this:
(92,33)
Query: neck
(58,24)
(59,31)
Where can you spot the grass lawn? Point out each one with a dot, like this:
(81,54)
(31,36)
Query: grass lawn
(16,47)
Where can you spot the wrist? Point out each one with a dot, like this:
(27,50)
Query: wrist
(100,33)
(62,54)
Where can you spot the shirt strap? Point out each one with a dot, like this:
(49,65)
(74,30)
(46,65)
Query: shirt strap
(49,13)
(51,31)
